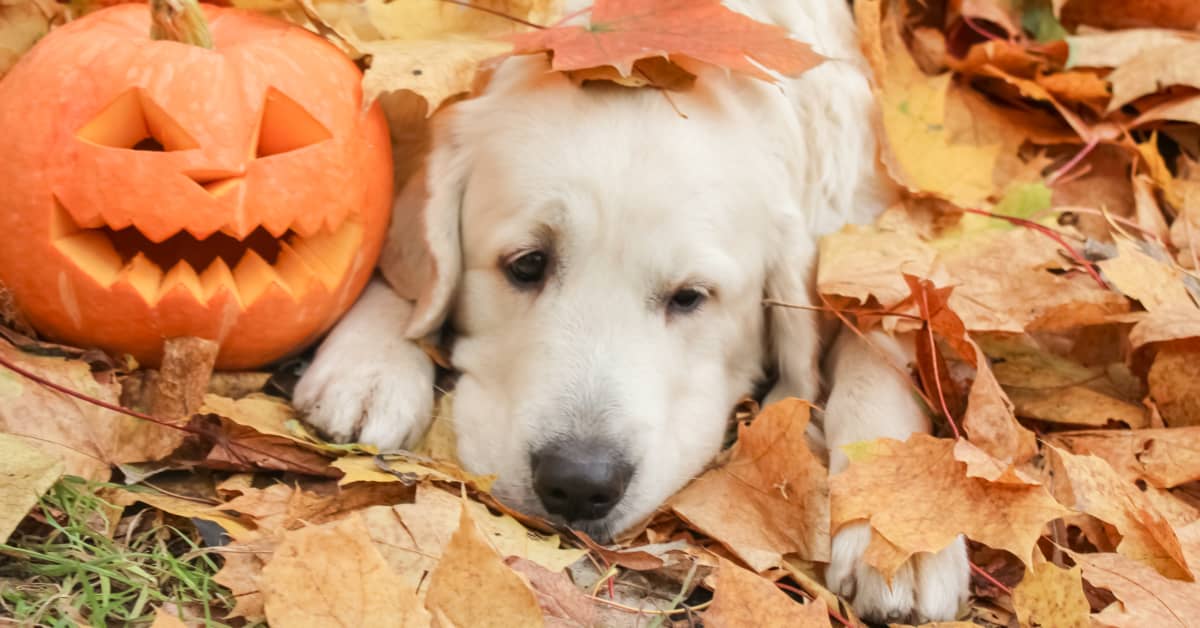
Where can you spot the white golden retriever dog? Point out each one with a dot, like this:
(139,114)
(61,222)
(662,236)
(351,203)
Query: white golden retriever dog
(601,262)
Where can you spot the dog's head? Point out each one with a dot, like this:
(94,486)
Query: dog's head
(602,261)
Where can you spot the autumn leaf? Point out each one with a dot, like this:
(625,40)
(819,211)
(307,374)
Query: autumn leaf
(1172,383)
(22,23)
(562,602)
(742,598)
(88,438)
(884,474)
(917,147)
(1144,597)
(25,473)
(1089,485)
(622,32)
(770,498)
(1051,597)
(1155,281)
(469,567)
(1165,458)
(332,573)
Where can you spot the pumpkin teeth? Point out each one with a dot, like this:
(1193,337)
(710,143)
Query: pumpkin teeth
(144,275)
(182,276)
(200,266)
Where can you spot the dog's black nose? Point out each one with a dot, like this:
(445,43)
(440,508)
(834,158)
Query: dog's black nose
(580,479)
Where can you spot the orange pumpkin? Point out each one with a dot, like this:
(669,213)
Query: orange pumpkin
(152,189)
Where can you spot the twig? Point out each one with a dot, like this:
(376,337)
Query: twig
(511,18)
(1067,167)
(1050,233)
(679,597)
(987,576)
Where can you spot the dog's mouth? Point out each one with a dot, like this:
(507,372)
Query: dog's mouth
(244,266)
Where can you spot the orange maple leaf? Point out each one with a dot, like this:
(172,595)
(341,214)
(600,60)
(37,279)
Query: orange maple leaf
(625,31)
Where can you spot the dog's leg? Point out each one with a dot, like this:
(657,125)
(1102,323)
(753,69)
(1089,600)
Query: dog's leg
(871,399)
(368,382)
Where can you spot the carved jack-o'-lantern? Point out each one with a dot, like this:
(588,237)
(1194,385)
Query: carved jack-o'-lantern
(152,189)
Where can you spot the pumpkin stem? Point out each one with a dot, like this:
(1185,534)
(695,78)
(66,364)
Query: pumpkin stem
(179,20)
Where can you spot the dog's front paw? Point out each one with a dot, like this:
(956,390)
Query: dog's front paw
(929,587)
(370,393)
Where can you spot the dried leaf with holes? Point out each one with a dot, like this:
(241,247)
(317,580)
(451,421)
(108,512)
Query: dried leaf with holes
(884,474)
(622,32)
(770,498)
(1089,485)
(1165,458)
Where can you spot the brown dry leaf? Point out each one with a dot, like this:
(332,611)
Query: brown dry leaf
(25,473)
(563,604)
(272,416)
(1051,597)
(1144,597)
(89,439)
(1156,283)
(238,527)
(429,47)
(469,567)
(771,498)
(22,23)
(859,262)
(991,425)
(1115,48)
(1172,380)
(406,468)
(1165,326)
(1091,486)
(333,574)
(173,393)
(1153,70)
(884,476)
(917,147)
(236,447)
(1054,388)
(1165,458)
(743,598)
(1114,14)
(240,573)
(166,619)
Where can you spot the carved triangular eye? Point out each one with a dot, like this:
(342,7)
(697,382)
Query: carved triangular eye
(287,126)
(136,122)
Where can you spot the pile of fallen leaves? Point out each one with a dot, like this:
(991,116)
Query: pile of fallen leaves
(1043,256)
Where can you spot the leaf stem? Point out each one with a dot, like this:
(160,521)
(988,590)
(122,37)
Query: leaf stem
(179,21)
(511,18)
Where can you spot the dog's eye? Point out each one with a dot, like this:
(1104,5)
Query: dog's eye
(687,300)
(528,269)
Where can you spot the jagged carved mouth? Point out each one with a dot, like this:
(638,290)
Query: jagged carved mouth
(245,267)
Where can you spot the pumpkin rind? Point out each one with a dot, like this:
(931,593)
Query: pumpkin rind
(220,168)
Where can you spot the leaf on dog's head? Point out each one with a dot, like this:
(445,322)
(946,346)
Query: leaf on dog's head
(919,498)
(471,582)
(622,32)
(743,598)
(770,498)
(334,571)
(1051,596)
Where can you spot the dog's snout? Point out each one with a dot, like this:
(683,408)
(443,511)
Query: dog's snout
(580,479)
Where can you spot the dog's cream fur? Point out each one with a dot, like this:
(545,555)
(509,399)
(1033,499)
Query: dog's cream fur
(634,201)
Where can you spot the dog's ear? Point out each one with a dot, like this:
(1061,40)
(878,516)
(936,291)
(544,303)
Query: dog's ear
(421,258)
(793,333)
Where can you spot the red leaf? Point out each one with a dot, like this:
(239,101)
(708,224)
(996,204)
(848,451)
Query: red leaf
(625,31)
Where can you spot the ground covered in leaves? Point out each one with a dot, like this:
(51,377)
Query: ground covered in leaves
(1044,257)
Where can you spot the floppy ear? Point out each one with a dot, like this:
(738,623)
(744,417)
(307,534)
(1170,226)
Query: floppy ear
(793,334)
(421,257)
